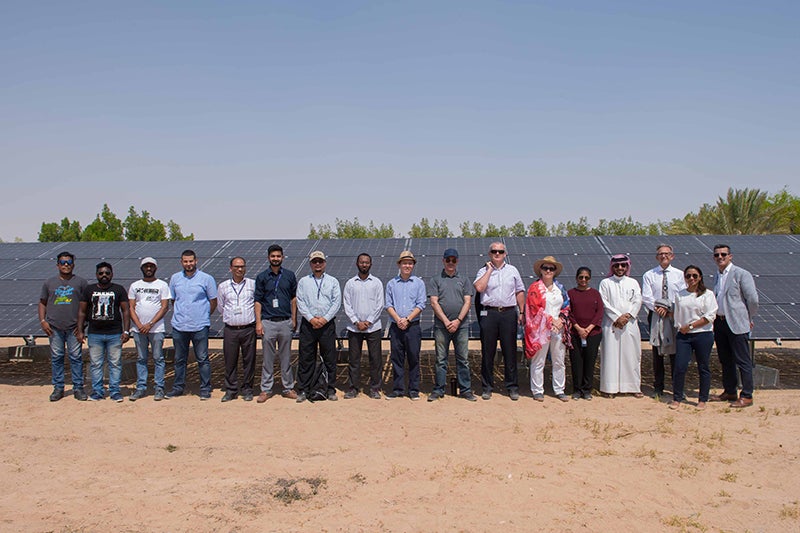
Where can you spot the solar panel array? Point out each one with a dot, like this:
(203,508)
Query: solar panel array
(774,261)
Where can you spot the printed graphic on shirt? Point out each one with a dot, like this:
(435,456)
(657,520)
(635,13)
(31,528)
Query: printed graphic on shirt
(64,295)
(103,306)
(148,294)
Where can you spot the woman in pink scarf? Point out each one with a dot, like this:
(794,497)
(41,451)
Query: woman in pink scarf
(546,316)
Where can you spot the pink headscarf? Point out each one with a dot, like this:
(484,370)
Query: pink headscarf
(617,259)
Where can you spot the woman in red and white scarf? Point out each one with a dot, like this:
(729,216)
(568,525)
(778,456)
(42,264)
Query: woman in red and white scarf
(546,317)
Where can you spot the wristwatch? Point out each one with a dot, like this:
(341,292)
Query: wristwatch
(691,326)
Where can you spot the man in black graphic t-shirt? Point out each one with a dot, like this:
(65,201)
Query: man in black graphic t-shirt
(106,306)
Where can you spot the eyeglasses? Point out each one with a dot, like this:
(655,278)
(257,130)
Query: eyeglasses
(617,265)
(547,268)
(691,276)
(65,262)
(721,254)
(663,254)
(501,252)
(103,272)
(451,260)
(237,266)
(587,278)
(317,261)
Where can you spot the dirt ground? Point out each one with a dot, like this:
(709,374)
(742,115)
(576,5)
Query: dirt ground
(621,464)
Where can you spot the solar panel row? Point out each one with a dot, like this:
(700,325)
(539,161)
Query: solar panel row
(773,260)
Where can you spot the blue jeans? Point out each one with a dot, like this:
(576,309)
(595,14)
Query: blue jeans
(104,347)
(156,341)
(199,340)
(64,342)
(460,340)
(701,344)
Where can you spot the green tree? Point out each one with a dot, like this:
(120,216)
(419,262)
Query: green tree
(424,230)
(66,231)
(471,229)
(143,227)
(176,234)
(538,228)
(741,212)
(105,227)
(346,229)
(788,207)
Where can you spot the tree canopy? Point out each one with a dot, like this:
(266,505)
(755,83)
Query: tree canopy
(107,226)
(741,211)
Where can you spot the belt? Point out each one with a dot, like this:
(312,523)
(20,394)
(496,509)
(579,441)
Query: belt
(250,325)
(277,318)
(500,309)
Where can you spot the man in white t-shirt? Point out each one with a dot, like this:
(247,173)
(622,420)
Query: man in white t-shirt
(149,302)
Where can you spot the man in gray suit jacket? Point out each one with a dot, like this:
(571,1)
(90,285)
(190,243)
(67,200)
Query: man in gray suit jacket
(738,303)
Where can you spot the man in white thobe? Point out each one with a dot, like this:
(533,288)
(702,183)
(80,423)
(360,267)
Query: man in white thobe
(621,356)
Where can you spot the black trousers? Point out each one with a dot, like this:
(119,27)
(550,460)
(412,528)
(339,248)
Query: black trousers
(659,370)
(355,343)
(316,365)
(234,342)
(502,326)
(733,350)
(582,360)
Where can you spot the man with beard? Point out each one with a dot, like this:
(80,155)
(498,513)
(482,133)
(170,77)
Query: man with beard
(363,304)
(276,312)
(194,295)
(106,306)
(149,301)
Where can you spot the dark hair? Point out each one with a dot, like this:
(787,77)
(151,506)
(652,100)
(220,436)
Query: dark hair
(65,254)
(701,287)
(718,246)
(583,269)
(274,248)
(188,253)
(363,254)
(237,257)
(104,264)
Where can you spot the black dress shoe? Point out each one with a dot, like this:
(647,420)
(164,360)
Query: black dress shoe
(229,396)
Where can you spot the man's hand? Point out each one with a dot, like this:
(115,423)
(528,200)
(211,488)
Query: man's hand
(402,323)
(46,328)
(661,311)
(453,325)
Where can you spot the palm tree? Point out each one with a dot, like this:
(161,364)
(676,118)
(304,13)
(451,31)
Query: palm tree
(741,212)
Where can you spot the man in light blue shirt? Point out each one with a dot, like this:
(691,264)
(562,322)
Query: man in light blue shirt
(194,298)
(405,300)
(319,298)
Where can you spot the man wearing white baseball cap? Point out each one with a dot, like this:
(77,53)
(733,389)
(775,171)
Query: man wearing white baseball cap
(149,301)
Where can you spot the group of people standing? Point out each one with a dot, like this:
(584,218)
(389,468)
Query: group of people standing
(684,317)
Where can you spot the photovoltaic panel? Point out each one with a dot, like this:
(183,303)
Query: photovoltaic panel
(540,246)
(754,243)
(771,258)
(779,289)
(647,244)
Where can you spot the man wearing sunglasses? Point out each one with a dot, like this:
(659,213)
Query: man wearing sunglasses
(451,294)
(738,303)
(502,296)
(59,303)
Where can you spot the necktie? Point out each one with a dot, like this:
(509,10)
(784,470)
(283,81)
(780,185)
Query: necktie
(664,290)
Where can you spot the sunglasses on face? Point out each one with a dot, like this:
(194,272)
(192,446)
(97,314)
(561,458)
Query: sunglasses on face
(501,252)
(65,262)
(587,278)
(691,276)
(316,261)
(451,260)
(721,254)
(547,268)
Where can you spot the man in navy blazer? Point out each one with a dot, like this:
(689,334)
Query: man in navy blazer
(738,303)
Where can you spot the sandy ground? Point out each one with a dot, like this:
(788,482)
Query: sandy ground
(620,464)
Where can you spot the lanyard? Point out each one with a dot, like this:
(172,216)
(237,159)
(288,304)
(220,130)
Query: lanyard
(318,283)
(237,293)
(277,281)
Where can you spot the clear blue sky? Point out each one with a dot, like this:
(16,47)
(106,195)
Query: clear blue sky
(254,119)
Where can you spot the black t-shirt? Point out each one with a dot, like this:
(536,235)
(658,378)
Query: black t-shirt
(103,312)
